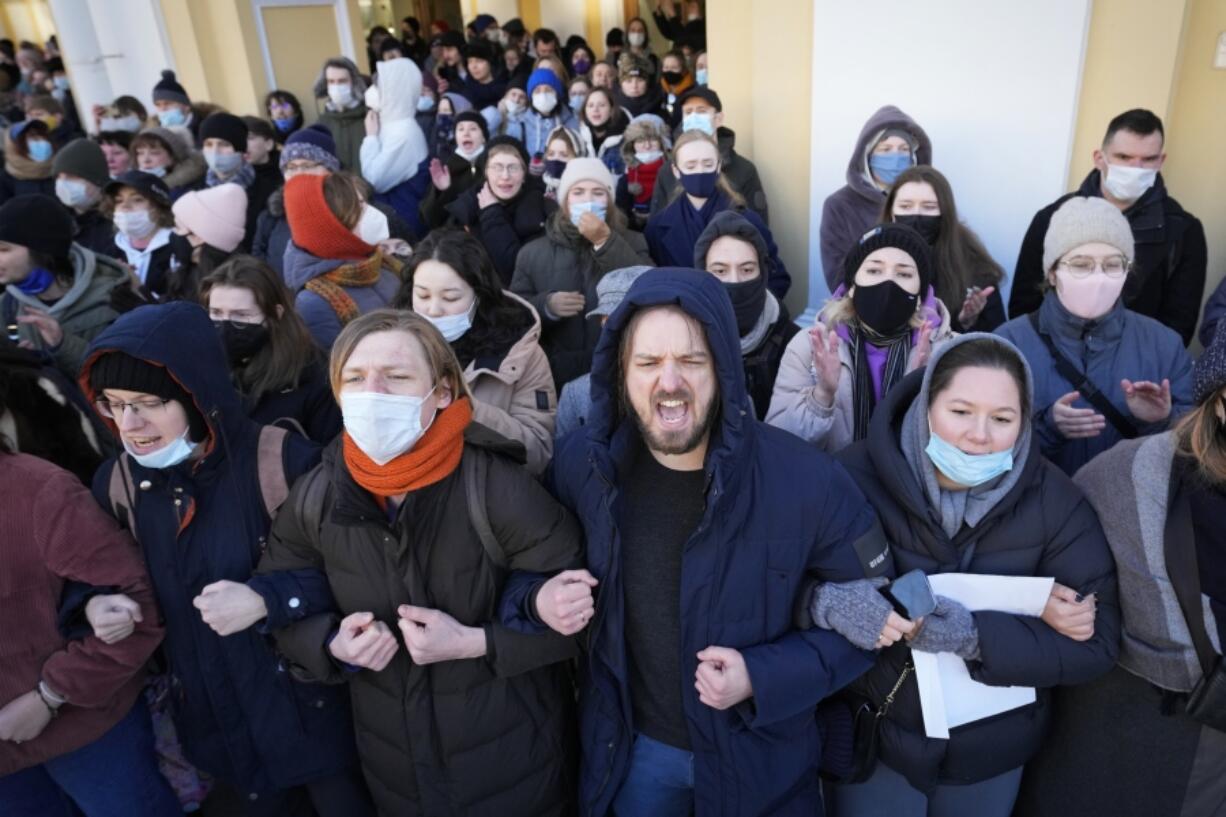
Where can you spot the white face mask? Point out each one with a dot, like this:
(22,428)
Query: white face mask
(373,98)
(545,102)
(73,193)
(384,426)
(469,154)
(453,327)
(637,38)
(129,123)
(341,95)
(514,109)
(1126,183)
(372,226)
(1090,297)
(168,457)
(134,223)
(646,157)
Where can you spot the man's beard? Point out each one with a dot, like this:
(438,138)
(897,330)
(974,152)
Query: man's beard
(673,443)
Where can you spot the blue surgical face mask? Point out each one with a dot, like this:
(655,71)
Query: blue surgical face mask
(172,118)
(454,327)
(37,282)
(698,121)
(223,163)
(40,150)
(596,208)
(61,83)
(576,102)
(283,125)
(425,103)
(167,457)
(160,172)
(700,76)
(889,166)
(963,468)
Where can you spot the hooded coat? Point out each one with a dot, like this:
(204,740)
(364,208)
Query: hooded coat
(1032,521)
(741,173)
(483,736)
(1122,344)
(22,175)
(83,311)
(852,209)
(300,267)
(234,705)
(396,160)
(189,168)
(778,515)
(672,233)
(563,261)
(1167,281)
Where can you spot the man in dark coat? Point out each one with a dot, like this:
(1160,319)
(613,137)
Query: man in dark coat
(742,174)
(1168,277)
(703,527)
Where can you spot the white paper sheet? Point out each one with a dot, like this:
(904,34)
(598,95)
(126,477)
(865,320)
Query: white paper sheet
(949,697)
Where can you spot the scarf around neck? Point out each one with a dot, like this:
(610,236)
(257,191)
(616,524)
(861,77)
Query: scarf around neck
(430,460)
(331,285)
(873,377)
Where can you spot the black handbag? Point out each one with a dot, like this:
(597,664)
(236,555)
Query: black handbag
(1207,701)
(866,733)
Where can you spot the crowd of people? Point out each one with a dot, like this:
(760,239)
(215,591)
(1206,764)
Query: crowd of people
(457,454)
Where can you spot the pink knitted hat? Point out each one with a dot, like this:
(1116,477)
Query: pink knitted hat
(218,215)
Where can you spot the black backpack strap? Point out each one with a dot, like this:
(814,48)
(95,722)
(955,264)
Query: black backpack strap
(1179,550)
(1083,384)
(475,468)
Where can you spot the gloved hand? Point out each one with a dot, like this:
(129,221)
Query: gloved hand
(854,610)
(948,628)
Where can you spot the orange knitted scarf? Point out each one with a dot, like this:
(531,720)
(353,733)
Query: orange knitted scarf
(330,286)
(434,456)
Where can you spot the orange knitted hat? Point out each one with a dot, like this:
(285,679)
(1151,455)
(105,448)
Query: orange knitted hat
(314,227)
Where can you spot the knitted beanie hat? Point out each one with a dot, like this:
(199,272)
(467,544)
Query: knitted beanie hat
(895,235)
(84,159)
(169,89)
(543,76)
(227,126)
(39,223)
(1082,220)
(217,215)
(314,227)
(474,116)
(118,370)
(315,144)
(584,168)
(1209,373)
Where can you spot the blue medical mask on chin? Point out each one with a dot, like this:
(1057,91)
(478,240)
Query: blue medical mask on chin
(167,457)
(596,208)
(963,468)
(37,282)
(889,166)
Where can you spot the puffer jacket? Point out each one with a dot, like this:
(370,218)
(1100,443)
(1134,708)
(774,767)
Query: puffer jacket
(852,209)
(514,394)
(563,261)
(1041,526)
(234,704)
(484,736)
(323,321)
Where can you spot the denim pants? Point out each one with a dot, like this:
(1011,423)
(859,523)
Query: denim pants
(660,782)
(115,776)
(888,794)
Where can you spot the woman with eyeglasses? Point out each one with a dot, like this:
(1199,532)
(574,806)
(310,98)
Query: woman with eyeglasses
(274,362)
(1102,372)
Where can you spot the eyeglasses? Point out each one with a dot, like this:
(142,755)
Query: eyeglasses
(1082,266)
(511,170)
(113,409)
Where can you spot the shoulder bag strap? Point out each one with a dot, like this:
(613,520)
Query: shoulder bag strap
(1179,550)
(474,468)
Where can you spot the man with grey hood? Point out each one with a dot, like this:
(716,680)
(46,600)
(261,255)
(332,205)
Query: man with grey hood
(958,481)
(889,143)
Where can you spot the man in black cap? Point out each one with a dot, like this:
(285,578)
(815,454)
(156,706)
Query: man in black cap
(223,137)
(143,221)
(701,109)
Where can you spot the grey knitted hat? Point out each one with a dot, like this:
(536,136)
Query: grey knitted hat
(1082,220)
(612,288)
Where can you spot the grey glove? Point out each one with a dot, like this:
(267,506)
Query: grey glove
(854,610)
(949,628)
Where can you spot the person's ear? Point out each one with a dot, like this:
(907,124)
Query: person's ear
(443,396)
(1100,159)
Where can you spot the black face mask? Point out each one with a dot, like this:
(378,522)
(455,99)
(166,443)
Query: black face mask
(672,77)
(241,340)
(885,308)
(748,300)
(927,226)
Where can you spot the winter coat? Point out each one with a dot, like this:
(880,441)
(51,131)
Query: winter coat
(793,405)
(574,406)
(514,395)
(260,190)
(1215,310)
(1167,281)
(778,515)
(1041,526)
(852,209)
(483,95)
(672,233)
(491,735)
(348,129)
(741,173)
(761,364)
(23,176)
(610,151)
(234,704)
(1092,763)
(405,200)
(504,227)
(82,312)
(96,232)
(51,530)
(563,261)
(396,160)
(309,409)
(464,175)
(320,317)
(272,233)
(1123,344)
(151,266)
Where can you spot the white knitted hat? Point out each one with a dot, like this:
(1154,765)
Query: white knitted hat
(1083,220)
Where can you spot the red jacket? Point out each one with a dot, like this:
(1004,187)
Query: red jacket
(51,529)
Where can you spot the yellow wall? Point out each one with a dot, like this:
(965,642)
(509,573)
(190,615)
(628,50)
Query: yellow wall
(749,48)
(299,39)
